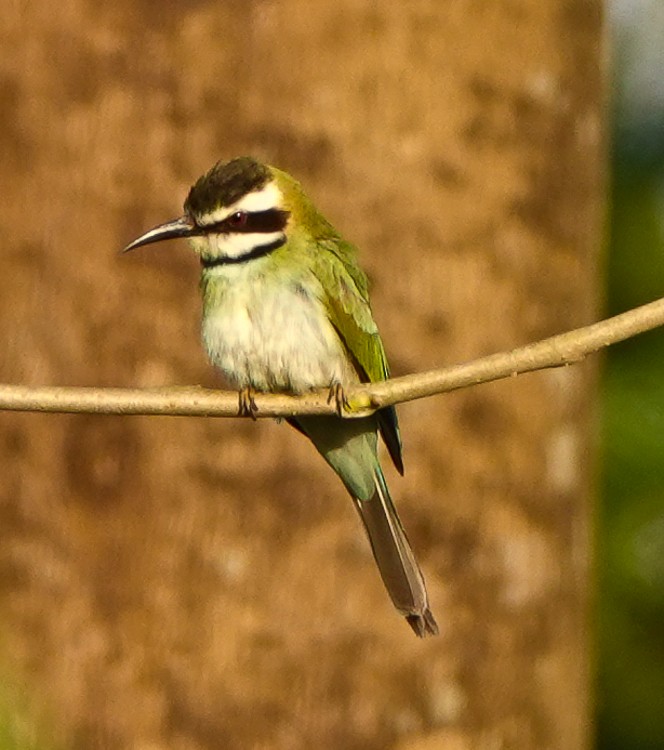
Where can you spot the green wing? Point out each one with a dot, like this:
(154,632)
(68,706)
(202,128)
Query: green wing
(347,303)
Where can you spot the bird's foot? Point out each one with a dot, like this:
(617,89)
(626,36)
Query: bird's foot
(247,405)
(341,402)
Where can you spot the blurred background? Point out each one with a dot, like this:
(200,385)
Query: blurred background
(630,541)
(153,593)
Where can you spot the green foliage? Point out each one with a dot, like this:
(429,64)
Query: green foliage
(630,541)
(18,729)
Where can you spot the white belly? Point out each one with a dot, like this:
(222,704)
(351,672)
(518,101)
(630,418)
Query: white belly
(273,336)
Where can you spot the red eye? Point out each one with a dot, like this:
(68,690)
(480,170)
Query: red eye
(238,219)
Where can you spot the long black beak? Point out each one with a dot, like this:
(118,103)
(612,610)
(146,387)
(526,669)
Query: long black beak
(181,227)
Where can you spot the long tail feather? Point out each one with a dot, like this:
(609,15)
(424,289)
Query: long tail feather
(395,559)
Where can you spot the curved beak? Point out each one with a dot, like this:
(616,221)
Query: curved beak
(181,227)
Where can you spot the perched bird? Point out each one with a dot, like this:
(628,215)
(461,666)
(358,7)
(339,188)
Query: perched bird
(286,309)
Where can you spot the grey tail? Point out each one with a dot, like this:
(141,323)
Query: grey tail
(395,559)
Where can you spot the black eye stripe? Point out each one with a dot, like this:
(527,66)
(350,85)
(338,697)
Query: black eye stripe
(258,222)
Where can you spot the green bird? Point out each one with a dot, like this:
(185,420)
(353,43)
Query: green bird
(286,309)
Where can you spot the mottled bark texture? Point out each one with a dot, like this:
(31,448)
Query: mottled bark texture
(196,584)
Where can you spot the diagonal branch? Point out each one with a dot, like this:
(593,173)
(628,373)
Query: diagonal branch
(556,351)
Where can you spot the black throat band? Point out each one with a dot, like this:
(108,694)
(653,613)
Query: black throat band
(258,252)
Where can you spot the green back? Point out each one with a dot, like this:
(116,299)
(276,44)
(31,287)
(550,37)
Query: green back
(346,298)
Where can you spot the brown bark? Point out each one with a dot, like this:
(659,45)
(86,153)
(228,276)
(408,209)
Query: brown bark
(191,583)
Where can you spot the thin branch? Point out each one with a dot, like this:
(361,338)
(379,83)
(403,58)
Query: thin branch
(563,349)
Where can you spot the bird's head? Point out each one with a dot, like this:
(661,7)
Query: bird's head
(239,210)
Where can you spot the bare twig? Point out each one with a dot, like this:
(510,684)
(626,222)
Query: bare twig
(563,349)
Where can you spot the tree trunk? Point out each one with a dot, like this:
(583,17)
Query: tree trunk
(191,583)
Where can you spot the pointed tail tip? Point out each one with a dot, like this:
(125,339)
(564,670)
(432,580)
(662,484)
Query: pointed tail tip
(423,623)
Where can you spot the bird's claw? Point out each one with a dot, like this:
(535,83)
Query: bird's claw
(337,393)
(247,405)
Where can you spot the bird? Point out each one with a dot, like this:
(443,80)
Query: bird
(285,308)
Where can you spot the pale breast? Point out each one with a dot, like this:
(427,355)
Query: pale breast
(273,336)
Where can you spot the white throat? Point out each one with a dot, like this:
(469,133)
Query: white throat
(234,246)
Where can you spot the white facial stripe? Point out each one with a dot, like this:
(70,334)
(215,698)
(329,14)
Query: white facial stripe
(269,196)
(260,200)
(237,245)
